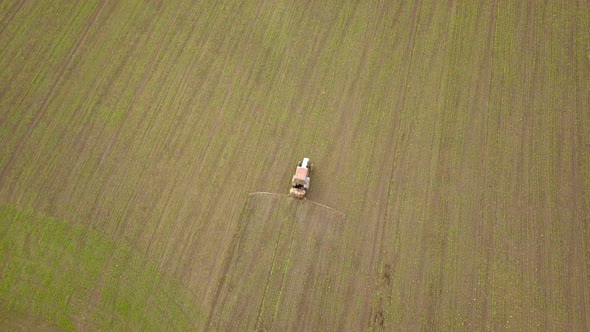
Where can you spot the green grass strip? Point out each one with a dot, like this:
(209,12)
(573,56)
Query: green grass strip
(57,274)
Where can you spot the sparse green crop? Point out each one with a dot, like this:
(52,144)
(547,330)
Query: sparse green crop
(74,277)
(453,135)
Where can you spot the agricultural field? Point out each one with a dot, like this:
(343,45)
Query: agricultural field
(451,151)
(298,261)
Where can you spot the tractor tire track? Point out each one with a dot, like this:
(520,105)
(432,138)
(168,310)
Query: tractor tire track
(60,75)
(149,72)
(12,15)
(86,117)
(486,314)
(375,314)
(227,262)
(102,169)
(213,133)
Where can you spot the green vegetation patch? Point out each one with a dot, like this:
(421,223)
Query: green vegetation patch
(75,278)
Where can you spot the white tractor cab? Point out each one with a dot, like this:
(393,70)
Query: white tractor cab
(300,181)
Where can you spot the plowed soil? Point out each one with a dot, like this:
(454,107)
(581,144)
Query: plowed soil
(454,136)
